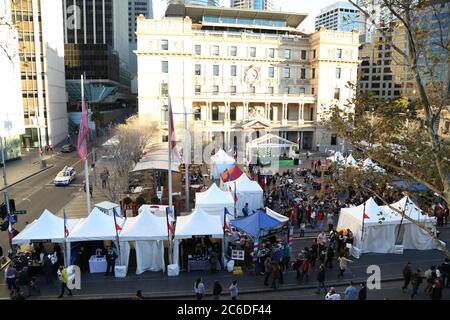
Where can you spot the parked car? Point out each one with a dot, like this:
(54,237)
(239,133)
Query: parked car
(67,148)
(65,177)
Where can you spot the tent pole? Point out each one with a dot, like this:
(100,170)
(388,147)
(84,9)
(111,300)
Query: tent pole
(401,221)
(362,231)
(168,234)
(117,236)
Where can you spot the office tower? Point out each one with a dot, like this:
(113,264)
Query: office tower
(252,4)
(340,16)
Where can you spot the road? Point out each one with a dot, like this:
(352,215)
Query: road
(38,192)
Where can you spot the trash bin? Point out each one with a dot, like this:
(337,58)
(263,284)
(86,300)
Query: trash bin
(43,164)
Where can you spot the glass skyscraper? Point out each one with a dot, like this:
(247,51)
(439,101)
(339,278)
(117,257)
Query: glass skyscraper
(340,16)
(252,4)
(214,3)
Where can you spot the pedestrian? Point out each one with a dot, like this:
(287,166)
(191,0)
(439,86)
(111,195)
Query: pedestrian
(199,289)
(314,253)
(234,291)
(416,280)
(298,264)
(111,257)
(445,267)
(217,290)
(245,210)
(320,219)
(11,275)
(350,292)
(332,295)
(138,295)
(322,240)
(343,262)
(302,229)
(362,294)
(321,279)
(330,256)
(47,266)
(64,278)
(275,274)
(436,290)
(407,274)
(286,256)
(267,270)
(430,275)
(330,221)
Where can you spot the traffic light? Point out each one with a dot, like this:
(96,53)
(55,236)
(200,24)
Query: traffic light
(12,205)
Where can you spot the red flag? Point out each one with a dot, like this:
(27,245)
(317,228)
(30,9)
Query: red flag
(366,216)
(170,228)
(173,142)
(83,132)
(118,228)
(235,196)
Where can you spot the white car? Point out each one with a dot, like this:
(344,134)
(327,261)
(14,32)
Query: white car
(65,176)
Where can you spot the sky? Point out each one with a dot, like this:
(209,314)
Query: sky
(311,7)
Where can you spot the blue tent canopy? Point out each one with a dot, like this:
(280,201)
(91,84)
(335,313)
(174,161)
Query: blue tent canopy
(256,224)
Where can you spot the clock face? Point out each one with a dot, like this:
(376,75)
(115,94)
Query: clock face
(251,75)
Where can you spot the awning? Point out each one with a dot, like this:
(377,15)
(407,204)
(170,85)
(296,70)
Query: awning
(157,158)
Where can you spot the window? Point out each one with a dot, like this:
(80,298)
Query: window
(215,113)
(233,71)
(312,90)
(314,73)
(252,89)
(216,70)
(270,90)
(198,89)
(287,53)
(215,89)
(164,89)
(314,53)
(271,72)
(232,113)
(303,54)
(164,66)
(233,51)
(337,94)
(338,53)
(164,44)
(198,49)
(271,53)
(198,70)
(233,90)
(302,91)
(164,113)
(303,73)
(215,50)
(338,73)
(334,139)
(287,72)
(252,52)
(197,114)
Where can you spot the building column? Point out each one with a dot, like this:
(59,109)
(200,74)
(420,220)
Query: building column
(284,114)
(266,110)
(301,140)
(245,110)
(300,114)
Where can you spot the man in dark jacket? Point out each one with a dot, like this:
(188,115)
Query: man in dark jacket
(362,294)
(445,270)
(321,279)
(111,256)
(407,274)
(416,280)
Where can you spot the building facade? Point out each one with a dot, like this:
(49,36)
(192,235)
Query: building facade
(340,16)
(213,3)
(41,53)
(252,4)
(233,78)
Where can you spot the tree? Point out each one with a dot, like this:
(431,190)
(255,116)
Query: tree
(402,134)
(97,117)
(8,30)
(131,139)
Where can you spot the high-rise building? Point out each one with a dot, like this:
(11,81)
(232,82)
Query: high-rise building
(96,44)
(252,4)
(213,3)
(40,53)
(340,16)
(240,71)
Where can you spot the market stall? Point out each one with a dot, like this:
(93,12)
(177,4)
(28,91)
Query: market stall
(220,162)
(246,191)
(147,232)
(214,201)
(199,235)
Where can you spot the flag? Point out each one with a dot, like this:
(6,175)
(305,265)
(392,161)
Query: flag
(118,227)
(10,229)
(116,213)
(170,228)
(66,230)
(235,196)
(172,142)
(298,140)
(366,216)
(83,132)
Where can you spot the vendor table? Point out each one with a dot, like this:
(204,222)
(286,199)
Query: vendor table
(203,265)
(97,265)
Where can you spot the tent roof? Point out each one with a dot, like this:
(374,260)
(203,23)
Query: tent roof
(157,210)
(369,164)
(244,184)
(350,161)
(214,196)
(373,214)
(337,156)
(255,223)
(411,210)
(46,227)
(107,205)
(97,226)
(276,215)
(272,141)
(157,158)
(146,226)
(235,172)
(222,157)
(198,223)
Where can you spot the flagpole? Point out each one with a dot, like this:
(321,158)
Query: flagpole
(169,171)
(235,213)
(168,235)
(362,231)
(117,235)
(86,166)
(65,242)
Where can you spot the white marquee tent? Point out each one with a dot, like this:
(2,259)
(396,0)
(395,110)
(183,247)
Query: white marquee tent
(198,223)
(214,201)
(370,165)
(383,230)
(336,157)
(157,210)
(276,215)
(46,227)
(220,162)
(148,233)
(350,161)
(247,191)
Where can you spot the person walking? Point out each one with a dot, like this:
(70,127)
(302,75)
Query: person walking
(330,221)
(343,262)
(350,292)
(445,267)
(330,256)
(217,290)
(267,269)
(430,275)
(64,278)
(321,279)
(234,291)
(416,280)
(11,275)
(436,290)
(332,295)
(276,270)
(245,210)
(47,266)
(111,257)
(199,289)
(407,274)
(362,294)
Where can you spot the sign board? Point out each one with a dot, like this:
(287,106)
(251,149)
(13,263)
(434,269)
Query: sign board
(238,255)
(20,212)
